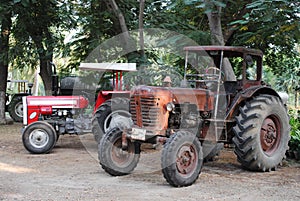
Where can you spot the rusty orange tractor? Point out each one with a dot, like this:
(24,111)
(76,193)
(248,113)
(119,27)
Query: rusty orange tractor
(209,107)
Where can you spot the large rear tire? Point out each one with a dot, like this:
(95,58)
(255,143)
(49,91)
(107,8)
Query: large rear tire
(110,114)
(15,108)
(182,159)
(39,137)
(262,133)
(113,159)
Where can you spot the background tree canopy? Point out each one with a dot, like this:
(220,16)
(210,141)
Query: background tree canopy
(34,32)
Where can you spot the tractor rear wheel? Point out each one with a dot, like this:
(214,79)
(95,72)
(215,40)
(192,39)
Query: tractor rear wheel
(110,114)
(113,159)
(15,108)
(39,137)
(182,159)
(262,133)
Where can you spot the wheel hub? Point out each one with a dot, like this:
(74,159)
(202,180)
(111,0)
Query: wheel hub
(120,156)
(186,159)
(19,109)
(268,135)
(38,138)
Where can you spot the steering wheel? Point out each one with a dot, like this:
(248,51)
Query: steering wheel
(213,73)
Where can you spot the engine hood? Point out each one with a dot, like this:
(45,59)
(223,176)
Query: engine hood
(201,97)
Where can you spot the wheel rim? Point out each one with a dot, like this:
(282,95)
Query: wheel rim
(19,109)
(186,161)
(122,158)
(38,138)
(114,118)
(270,135)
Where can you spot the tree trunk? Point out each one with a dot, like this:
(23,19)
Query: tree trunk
(45,56)
(217,38)
(141,27)
(46,75)
(215,26)
(122,22)
(129,44)
(4,47)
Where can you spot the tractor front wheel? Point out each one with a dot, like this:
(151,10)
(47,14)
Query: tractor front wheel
(39,137)
(262,133)
(115,160)
(182,159)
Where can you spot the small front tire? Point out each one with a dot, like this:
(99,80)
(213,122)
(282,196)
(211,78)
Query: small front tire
(182,159)
(39,137)
(113,159)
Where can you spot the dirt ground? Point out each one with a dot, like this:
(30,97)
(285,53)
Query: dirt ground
(72,172)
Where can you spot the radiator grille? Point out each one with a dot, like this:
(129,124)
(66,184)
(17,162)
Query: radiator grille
(145,111)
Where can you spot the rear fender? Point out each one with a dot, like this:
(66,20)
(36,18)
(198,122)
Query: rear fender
(241,97)
(106,95)
(101,98)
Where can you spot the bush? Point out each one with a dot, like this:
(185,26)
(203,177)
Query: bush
(294,142)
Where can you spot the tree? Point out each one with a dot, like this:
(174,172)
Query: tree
(6,23)
(128,43)
(141,27)
(270,23)
(38,32)
(214,14)
(227,22)
(273,27)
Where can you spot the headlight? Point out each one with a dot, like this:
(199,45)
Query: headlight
(170,106)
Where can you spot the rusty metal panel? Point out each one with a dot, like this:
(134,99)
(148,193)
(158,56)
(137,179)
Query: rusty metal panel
(204,99)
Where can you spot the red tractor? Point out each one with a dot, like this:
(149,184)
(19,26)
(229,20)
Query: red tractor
(111,106)
(48,117)
(208,108)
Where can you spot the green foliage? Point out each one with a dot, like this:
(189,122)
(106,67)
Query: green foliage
(294,142)
(268,24)
(94,23)
(153,75)
(286,66)
(264,24)
(273,27)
